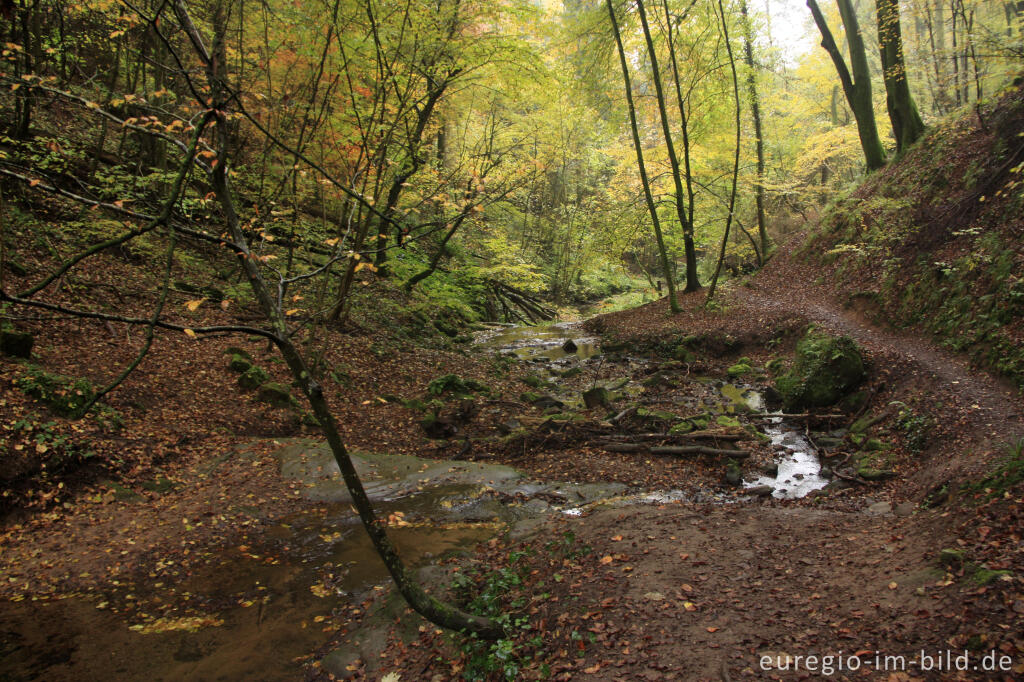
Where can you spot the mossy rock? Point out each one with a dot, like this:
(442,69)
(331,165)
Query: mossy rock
(16,344)
(275,394)
(571,372)
(235,350)
(723,420)
(659,415)
(775,365)
(872,474)
(826,368)
(739,369)
(534,381)
(681,427)
(240,364)
(253,378)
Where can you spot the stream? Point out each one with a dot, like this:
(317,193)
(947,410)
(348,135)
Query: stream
(255,614)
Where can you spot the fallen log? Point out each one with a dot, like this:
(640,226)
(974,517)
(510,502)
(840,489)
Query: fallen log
(803,415)
(625,447)
(696,435)
(698,450)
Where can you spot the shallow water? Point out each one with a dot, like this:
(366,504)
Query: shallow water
(543,341)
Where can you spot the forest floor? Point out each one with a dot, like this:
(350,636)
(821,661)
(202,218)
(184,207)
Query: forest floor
(693,591)
(683,590)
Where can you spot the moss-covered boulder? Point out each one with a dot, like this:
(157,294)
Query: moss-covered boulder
(741,367)
(275,394)
(253,378)
(16,344)
(240,364)
(825,369)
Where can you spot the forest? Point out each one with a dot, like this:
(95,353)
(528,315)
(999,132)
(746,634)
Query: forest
(511,339)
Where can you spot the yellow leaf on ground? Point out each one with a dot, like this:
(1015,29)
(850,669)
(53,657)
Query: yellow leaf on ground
(193,305)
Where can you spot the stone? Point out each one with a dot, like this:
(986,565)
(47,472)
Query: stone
(596,397)
(239,364)
(771,469)
(879,508)
(871,474)
(569,346)
(253,378)
(16,344)
(733,475)
(275,394)
(761,490)
(235,350)
(905,508)
(825,369)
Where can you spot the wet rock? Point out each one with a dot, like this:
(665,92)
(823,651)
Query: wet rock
(825,472)
(569,346)
(733,475)
(771,469)
(826,368)
(16,344)
(761,490)
(507,427)
(596,397)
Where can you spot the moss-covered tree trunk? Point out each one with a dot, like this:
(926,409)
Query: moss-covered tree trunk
(856,85)
(755,113)
(907,126)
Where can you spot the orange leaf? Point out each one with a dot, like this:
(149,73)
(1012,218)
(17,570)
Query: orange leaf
(189,333)
(607,559)
(616,538)
(712,629)
(293,311)
(193,305)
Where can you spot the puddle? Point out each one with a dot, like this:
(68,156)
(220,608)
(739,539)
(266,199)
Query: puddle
(541,342)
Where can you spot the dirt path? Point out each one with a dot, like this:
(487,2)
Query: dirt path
(787,286)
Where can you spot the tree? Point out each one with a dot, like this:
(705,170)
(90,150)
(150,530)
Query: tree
(907,126)
(692,282)
(648,196)
(755,112)
(856,86)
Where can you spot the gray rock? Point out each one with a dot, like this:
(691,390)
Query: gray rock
(569,346)
(761,490)
(879,508)
(905,508)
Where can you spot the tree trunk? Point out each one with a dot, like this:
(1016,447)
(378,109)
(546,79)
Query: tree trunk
(856,86)
(907,126)
(648,197)
(755,112)
(692,283)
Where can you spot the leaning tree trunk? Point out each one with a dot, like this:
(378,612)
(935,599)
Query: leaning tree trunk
(426,605)
(856,86)
(648,197)
(907,126)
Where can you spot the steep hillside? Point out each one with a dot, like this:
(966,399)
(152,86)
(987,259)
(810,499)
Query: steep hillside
(936,240)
